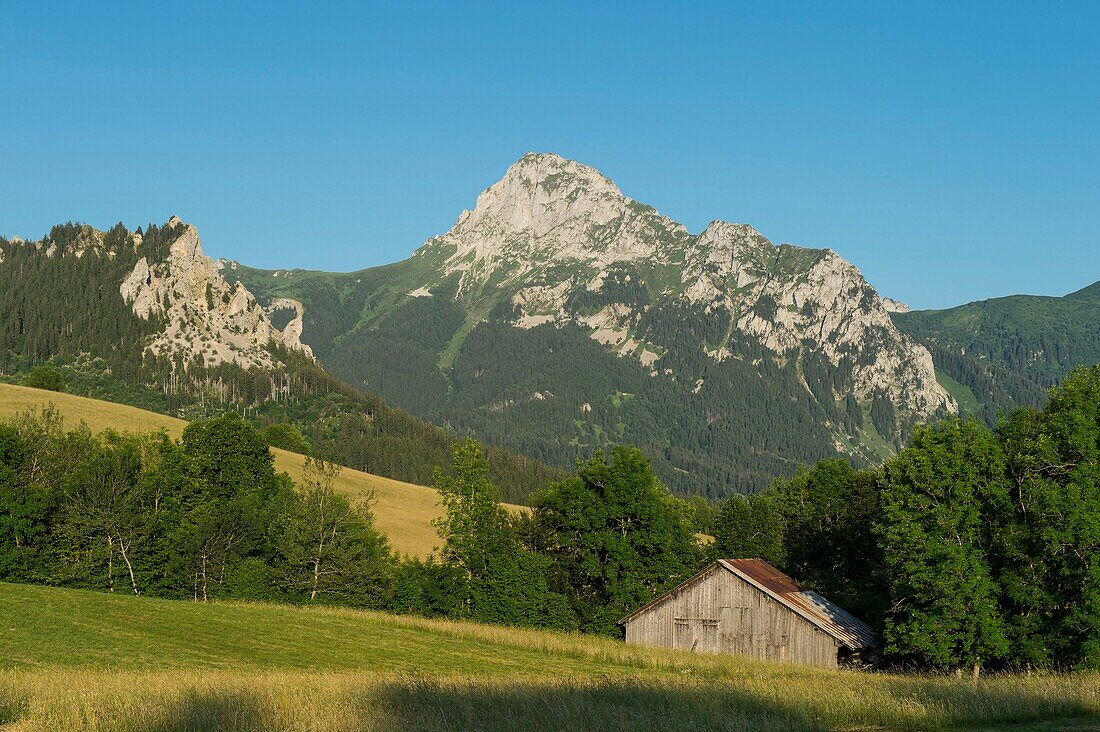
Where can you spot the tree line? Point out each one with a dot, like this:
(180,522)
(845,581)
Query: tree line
(201,518)
(972,547)
(206,517)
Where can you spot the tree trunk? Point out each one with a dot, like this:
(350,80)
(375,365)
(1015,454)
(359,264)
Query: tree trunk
(129,567)
(316,579)
(202,574)
(110,564)
(320,550)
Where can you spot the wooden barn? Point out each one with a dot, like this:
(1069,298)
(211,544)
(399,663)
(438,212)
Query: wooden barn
(748,607)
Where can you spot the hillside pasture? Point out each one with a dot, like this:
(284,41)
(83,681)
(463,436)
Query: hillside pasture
(73,659)
(403,511)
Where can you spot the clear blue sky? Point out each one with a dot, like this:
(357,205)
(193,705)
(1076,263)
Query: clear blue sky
(951,151)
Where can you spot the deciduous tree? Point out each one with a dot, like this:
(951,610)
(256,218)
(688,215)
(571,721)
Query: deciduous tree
(618,535)
(935,496)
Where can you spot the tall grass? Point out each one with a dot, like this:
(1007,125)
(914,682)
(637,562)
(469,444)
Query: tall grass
(72,659)
(83,660)
(194,700)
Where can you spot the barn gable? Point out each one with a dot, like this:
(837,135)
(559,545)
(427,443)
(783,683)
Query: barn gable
(748,607)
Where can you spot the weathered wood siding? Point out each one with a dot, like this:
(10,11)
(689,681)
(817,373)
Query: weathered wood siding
(721,613)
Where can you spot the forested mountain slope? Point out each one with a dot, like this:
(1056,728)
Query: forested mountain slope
(145,318)
(555,318)
(1008,351)
(559,316)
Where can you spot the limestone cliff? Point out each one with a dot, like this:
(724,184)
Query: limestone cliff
(561,242)
(206,318)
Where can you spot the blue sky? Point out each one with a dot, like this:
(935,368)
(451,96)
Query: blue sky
(951,151)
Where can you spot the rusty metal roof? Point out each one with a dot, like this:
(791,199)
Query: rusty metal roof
(830,618)
(763,573)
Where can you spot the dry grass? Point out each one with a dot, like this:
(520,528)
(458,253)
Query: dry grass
(226,700)
(80,660)
(403,511)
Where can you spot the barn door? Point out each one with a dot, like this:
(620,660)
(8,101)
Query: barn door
(729,628)
(706,635)
(682,636)
(735,629)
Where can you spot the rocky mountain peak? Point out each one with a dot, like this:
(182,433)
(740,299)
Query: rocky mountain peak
(206,318)
(540,192)
(548,210)
(551,168)
(187,246)
(563,245)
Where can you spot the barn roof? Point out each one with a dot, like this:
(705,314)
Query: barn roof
(828,617)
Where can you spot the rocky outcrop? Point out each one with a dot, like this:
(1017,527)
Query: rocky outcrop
(206,319)
(292,331)
(546,211)
(894,306)
(552,229)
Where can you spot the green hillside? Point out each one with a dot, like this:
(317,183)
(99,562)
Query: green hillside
(1006,352)
(62,305)
(1041,337)
(555,394)
(73,659)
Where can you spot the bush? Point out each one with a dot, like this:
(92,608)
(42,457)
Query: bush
(45,377)
(286,437)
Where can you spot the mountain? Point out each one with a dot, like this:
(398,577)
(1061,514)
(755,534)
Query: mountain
(144,296)
(203,317)
(1007,352)
(559,316)
(146,319)
(556,317)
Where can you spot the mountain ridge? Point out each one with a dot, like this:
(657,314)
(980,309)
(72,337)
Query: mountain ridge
(555,243)
(146,319)
(556,317)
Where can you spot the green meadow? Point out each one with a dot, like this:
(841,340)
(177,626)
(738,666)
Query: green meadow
(73,659)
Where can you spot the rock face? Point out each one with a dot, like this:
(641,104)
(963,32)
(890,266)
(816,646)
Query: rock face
(563,245)
(894,306)
(546,210)
(206,319)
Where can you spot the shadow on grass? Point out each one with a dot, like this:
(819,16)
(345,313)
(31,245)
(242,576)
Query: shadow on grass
(650,705)
(14,705)
(220,709)
(614,705)
(429,705)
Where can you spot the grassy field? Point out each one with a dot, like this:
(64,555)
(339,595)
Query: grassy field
(403,511)
(81,660)
(968,403)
